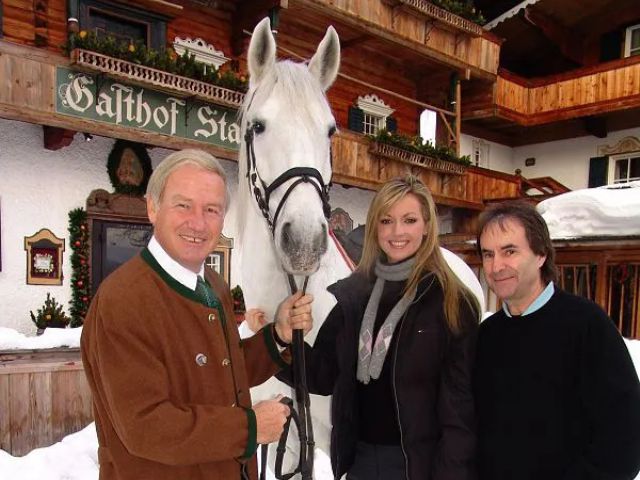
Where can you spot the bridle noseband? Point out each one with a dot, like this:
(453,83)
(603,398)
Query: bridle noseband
(263,192)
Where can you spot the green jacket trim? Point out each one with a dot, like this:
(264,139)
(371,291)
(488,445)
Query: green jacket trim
(272,346)
(168,279)
(252,429)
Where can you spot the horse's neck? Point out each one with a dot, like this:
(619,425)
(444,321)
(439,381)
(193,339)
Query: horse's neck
(264,282)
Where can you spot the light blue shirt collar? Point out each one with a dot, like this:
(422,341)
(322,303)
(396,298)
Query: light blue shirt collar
(537,304)
(183,275)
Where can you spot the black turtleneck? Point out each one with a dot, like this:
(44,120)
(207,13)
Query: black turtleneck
(378,418)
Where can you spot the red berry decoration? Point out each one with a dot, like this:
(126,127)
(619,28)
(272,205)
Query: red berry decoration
(77,243)
(79,283)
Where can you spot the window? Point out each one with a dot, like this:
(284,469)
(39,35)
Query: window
(632,41)
(624,168)
(370,115)
(428,119)
(123,22)
(480,153)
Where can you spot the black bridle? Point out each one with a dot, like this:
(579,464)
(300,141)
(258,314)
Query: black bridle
(262,192)
(302,417)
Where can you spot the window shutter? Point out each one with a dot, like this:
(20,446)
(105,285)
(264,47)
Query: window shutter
(598,167)
(392,124)
(356,119)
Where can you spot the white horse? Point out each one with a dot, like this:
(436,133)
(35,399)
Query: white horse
(289,125)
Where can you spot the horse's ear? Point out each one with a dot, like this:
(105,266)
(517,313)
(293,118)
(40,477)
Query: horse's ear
(262,51)
(326,61)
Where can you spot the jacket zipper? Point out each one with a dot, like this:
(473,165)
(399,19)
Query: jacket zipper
(395,395)
(393,382)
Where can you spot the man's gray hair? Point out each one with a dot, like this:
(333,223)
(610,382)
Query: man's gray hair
(200,158)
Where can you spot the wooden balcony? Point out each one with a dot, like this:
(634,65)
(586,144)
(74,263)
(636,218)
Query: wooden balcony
(605,88)
(356,163)
(29,94)
(410,29)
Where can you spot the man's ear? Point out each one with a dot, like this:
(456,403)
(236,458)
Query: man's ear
(151,210)
(541,260)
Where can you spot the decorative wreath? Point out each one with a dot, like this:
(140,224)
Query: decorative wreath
(141,171)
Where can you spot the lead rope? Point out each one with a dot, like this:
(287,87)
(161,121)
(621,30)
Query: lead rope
(302,417)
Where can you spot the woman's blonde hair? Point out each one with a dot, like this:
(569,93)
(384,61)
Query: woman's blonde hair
(428,257)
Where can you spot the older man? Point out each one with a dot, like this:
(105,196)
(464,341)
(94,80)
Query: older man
(169,375)
(556,392)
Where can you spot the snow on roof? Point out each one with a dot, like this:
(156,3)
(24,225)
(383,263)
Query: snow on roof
(508,14)
(612,210)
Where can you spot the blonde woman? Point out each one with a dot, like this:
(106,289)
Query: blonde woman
(396,352)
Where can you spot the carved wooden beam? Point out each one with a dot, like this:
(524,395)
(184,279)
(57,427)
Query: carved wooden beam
(571,44)
(55,138)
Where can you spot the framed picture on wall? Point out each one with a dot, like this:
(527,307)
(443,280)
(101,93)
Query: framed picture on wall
(44,258)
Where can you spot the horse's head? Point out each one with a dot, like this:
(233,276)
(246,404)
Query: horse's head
(288,125)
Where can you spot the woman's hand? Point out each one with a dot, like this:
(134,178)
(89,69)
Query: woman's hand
(255,319)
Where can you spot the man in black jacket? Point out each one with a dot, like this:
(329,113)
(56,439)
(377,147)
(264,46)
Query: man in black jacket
(557,395)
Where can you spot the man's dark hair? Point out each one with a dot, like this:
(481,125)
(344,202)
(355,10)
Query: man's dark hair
(535,229)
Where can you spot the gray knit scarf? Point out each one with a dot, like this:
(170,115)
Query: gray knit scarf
(371,355)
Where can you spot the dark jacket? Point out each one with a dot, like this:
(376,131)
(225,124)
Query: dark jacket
(431,381)
(557,395)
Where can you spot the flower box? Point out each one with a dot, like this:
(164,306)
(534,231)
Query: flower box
(405,156)
(448,20)
(133,73)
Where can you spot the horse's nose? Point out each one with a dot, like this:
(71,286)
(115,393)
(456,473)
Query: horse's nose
(320,241)
(287,237)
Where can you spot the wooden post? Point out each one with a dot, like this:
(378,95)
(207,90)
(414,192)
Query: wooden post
(458,113)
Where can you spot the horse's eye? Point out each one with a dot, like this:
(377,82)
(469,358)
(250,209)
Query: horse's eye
(332,131)
(258,127)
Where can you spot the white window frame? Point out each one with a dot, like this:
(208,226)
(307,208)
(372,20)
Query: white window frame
(375,113)
(628,51)
(480,153)
(613,160)
(202,51)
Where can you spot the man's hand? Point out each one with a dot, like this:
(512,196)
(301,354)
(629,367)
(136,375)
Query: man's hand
(294,313)
(255,319)
(270,418)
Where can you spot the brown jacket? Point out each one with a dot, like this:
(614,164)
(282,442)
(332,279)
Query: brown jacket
(170,378)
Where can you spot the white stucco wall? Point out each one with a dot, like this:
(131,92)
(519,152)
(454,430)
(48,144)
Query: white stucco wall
(500,156)
(39,187)
(567,161)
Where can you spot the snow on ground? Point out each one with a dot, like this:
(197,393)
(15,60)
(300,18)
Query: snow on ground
(51,338)
(612,210)
(75,457)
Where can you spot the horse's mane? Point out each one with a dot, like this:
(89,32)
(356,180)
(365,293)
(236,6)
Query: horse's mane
(302,96)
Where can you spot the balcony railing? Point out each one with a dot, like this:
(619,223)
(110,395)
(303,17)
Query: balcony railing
(415,159)
(446,18)
(151,77)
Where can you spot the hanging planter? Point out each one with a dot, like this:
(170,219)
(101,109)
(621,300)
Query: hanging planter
(415,159)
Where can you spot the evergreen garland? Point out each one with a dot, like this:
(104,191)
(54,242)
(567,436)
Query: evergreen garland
(80,288)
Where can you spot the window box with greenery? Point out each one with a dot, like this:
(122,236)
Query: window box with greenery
(411,150)
(160,69)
